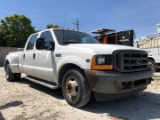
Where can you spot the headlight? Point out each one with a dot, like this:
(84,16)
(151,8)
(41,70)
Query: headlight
(102,62)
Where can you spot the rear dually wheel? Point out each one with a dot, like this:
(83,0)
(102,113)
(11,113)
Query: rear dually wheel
(11,76)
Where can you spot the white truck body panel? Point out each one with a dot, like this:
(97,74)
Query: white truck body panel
(70,54)
(154,53)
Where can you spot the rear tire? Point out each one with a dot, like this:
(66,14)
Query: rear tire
(75,88)
(11,76)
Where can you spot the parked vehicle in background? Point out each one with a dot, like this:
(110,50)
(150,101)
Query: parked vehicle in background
(110,36)
(80,65)
(152,45)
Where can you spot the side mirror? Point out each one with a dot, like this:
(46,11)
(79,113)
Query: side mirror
(52,46)
(40,44)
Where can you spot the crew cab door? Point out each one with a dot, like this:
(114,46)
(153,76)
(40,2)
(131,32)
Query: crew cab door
(44,62)
(27,56)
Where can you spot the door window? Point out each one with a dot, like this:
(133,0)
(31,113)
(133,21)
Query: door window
(48,39)
(31,42)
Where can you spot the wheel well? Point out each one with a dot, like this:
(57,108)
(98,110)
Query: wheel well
(64,69)
(151,59)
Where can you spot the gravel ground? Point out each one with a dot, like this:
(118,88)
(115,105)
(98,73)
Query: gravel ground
(25,100)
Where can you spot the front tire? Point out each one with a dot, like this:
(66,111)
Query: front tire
(11,76)
(75,88)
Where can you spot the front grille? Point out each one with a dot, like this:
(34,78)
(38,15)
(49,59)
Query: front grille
(130,60)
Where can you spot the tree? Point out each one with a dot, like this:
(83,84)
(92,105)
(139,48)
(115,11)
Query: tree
(52,26)
(2,41)
(15,30)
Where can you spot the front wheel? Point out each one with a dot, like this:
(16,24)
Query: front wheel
(11,76)
(75,88)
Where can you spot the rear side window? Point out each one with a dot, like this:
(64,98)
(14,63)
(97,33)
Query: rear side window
(31,42)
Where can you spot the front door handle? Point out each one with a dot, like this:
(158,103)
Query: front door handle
(23,56)
(34,55)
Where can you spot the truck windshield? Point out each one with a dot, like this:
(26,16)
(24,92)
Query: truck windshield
(73,37)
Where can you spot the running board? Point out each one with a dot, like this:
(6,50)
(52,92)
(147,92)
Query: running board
(49,85)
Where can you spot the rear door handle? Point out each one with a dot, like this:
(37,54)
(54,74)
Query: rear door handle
(34,55)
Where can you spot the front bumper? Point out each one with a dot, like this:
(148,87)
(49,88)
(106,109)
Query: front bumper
(117,84)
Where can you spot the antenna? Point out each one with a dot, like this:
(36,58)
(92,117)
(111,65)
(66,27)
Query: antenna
(64,24)
(64,19)
(77,24)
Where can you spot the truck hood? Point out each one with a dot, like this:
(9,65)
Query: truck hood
(103,48)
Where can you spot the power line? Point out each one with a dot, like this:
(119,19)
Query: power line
(36,13)
(77,22)
(62,17)
(30,12)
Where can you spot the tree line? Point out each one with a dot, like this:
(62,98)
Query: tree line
(15,29)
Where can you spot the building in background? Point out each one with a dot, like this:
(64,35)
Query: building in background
(149,41)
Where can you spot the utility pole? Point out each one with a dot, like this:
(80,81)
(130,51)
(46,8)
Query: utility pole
(77,24)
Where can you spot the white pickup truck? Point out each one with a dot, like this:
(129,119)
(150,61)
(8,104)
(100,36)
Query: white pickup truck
(81,66)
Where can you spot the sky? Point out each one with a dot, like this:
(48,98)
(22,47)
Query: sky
(140,15)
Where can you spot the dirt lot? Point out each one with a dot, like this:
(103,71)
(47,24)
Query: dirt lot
(25,100)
